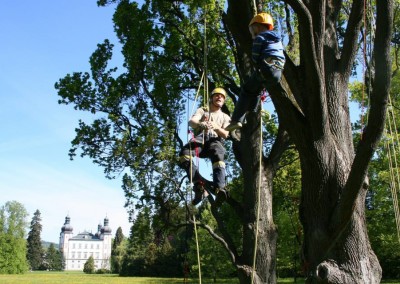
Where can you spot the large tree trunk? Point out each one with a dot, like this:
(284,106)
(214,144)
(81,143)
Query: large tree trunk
(333,254)
(260,235)
(336,247)
(314,111)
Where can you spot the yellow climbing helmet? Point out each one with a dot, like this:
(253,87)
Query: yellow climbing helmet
(263,18)
(219,91)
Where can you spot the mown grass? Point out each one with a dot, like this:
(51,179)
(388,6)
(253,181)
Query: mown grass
(82,278)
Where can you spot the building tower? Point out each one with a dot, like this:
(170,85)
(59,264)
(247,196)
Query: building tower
(65,235)
(105,235)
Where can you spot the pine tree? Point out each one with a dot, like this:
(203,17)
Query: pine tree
(89,266)
(116,251)
(54,258)
(35,251)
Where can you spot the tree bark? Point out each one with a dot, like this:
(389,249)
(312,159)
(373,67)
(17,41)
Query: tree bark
(336,247)
(259,235)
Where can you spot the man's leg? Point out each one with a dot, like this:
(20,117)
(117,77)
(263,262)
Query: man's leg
(186,162)
(217,155)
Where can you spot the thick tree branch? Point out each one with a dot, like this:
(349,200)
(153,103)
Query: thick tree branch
(377,114)
(314,99)
(350,43)
(231,250)
(280,145)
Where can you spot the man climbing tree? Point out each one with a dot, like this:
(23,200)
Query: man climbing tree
(165,46)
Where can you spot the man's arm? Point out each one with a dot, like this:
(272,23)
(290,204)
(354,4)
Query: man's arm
(221,132)
(195,122)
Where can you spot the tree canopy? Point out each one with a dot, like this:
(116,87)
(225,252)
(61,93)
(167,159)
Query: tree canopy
(12,238)
(139,109)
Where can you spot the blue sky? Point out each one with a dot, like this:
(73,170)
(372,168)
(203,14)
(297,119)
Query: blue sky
(42,41)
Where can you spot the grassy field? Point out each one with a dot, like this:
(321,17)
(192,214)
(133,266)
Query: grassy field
(81,278)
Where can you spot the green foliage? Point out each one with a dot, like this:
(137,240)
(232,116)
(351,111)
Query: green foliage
(12,238)
(89,266)
(117,251)
(214,259)
(138,110)
(148,253)
(379,202)
(287,187)
(35,253)
(54,259)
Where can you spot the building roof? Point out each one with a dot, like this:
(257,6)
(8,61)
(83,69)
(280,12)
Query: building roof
(85,236)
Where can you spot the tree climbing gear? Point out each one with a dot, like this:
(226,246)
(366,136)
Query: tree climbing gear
(275,62)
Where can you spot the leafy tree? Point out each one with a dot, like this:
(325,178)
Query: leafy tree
(144,103)
(287,186)
(12,238)
(214,261)
(117,251)
(35,253)
(141,236)
(89,266)
(54,258)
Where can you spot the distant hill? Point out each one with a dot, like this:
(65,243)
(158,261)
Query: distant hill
(46,245)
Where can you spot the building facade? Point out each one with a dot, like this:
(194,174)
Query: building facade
(77,249)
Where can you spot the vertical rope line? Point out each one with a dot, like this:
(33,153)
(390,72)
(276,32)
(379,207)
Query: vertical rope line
(197,246)
(394,188)
(194,216)
(205,60)
(258,195)
(191,180)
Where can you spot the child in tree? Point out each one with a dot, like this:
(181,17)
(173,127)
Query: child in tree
(267,54)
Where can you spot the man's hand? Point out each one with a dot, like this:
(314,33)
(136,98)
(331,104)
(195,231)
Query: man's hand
(205,125)
(213,125)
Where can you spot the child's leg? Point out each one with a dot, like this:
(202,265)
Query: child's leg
(271,73)
(248,97)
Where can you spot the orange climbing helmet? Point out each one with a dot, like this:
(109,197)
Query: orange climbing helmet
(264,19)
(219,91)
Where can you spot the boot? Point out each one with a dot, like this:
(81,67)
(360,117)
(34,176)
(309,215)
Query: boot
(221,196)
(199,193)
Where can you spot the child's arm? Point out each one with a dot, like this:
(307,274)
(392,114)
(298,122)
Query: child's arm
(256,50)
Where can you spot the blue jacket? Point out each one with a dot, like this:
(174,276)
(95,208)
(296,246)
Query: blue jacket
(267,44)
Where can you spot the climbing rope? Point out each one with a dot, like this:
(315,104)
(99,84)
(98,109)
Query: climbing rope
(393,165)
(204,81)
(263,98)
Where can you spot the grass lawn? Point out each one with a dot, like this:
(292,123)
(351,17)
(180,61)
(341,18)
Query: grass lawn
(82,278)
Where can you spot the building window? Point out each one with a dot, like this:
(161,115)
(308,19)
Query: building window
(91,246)
(85,246)
(73,246)
(80,246)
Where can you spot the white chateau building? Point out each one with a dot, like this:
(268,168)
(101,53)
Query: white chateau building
(77,249)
